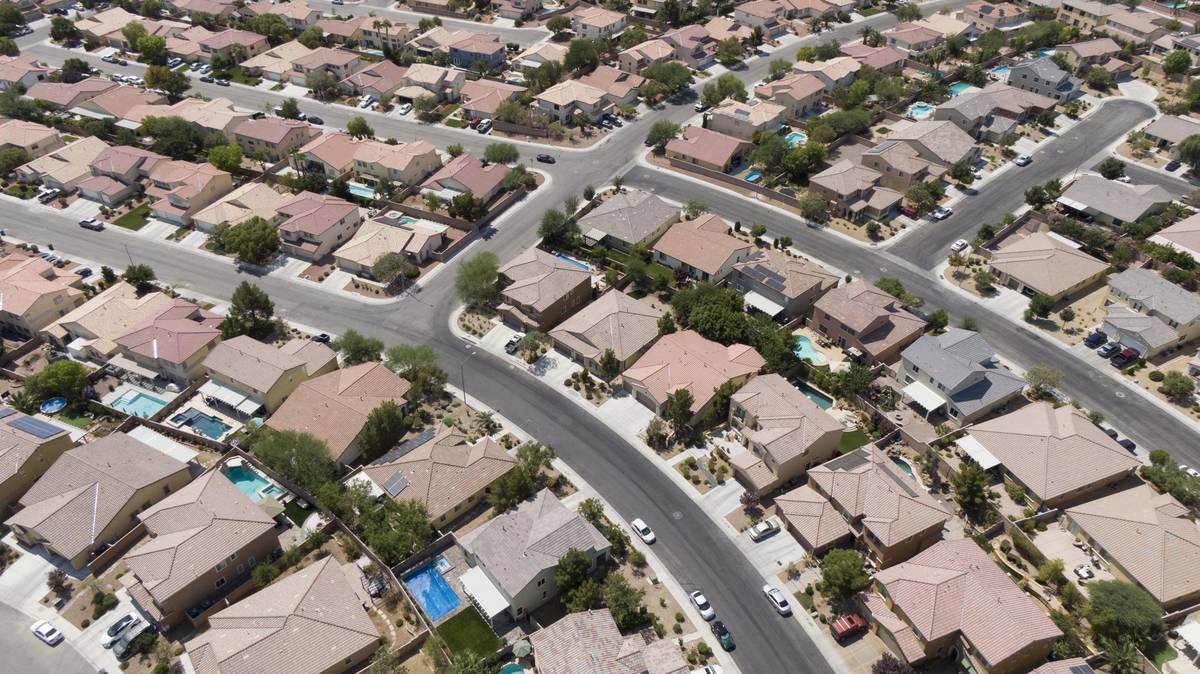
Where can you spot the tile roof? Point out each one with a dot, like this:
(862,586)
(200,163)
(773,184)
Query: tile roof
(174,335)
(1092,48)
(997,97)
(191,531)
(878,58)
(652,50)
(616,83)
(316,356)
(1184,234)
(799,86)
(120,101)
(1045,262)
(1173,128)
(62,93)
(892,505)
(590,643)
(335,149)
(344,28)
(248,361)
(1151,330)
(832,70)
(25,280)
(689,361)
(539,279)
(467,170)
(1053,451)
(113,312)
(571,92)
(334,406)
(13,68)
(955,586)
(1069,666)
(1156,294)
(614,321)
(547,51)
(121,159)
(1115,199)
(16,445)
(442,473)
(325,56)
(812,516)
(911,33)
(792,276)
(68,163)
(707,146)
(788,423)
(85,490)
(701,243)
(517,545)
(277,60)
(310,621)
(313,213)
(631,216)
(945,140)
(245,202)
(274,129)
(374,239)
(598,17)
(875,316)
(965,364)
(846,178)
(755,111)
(383,76)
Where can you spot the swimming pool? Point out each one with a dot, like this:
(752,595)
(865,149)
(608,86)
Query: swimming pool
(1046,51)
(432,592)
(920,110)
(250,483)
(804,350)
(753,176)
(959,88)
(511,668)
(205,423)
(139,404)
(823,401)
(1000,72)
(573,261)
(903,466)
(53,405)
(361,191)
(796,138)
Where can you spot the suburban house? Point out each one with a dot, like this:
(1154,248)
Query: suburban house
(797,94)
(379,236)
(723,28)
(248,377)
(590,642)
(1089,52)
(273,138)
(892,517)
(203,541)
(186,44)
(1169,130)
(884,59)
(514,556)
(118,173)
(1057,455)
(331,154)
(987,16)
(318,358)
(948,26)
(701,248)
(1139,28)
(393,36)
(1183,236)
(218,115)
(21,71)
(780,285)
(693,46)
(477,50)
(639,57)
(90,331)
(834,73)
(120,101)
(619,87)
(338,63)
(343,31)
(1113,202)
(743,120)
(1147,538)
(171,345)
(938,141)
(855,192)
(688,361)
(518,9)
(275,64)
(813,520)
(990,113)
(314,224)
(1150,313)
(334,406)
(899,165)
(764,14)
(313,620)
(913,38)
(953,600)
(570,97)
(28,447)
(378,80)
(541,53)
(626,219)
(1044,263)
(615,322)
(596,22)
(92,494)
(481,98)
(466,174)
(232,44)
(178,189)
(35,293)
(424,79)
(540,289)
(32,137)
(437,39)
(64,168)
(64,96)
(1043,76)
(251,200)
(403,163)
(708,149)
(447,473)
(957,372)
(784,432)
(866,322)
(297,13)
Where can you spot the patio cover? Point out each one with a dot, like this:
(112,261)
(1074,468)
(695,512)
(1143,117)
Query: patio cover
(483,594)
(927,398)
(235,399)
(977,452)
(162,443)
(1190,632)
(1071,203)
(763,304)
(128,365)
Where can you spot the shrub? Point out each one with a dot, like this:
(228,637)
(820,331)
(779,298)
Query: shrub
(1157,375)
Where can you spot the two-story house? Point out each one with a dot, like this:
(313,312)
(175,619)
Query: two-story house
(866,321)
(957,372)
(701,248)
(314,224)
(1043,76)
(171,346)
(273,138)
(540,289)
(1149,313)
(781,285)
(179,189)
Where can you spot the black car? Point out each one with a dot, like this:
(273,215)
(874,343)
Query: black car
(545,159)
(722,634)
(1127,444)
(1172,165)
(1111,432)
(321,338)
(121,624)
(313,119)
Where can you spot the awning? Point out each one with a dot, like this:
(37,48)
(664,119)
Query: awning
(1072,204)
(235,399)
(977,452)
(162,443)
(763,304)
(927,398)
(594,236)
(483,594)
(122,363)
(1190,632)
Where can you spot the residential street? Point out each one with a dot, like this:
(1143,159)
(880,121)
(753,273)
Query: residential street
(24,653)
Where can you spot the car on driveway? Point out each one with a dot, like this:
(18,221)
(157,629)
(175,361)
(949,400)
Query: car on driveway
(644,532)
(1129,445)
(92,224)
(1125,357)
(848,626)
(942,212)
(702,605)
(484,126)
(1023,160)
(960,245)
(1172,165)
(119,628)
(46,632)
(1095,339)
(510,347)
(1108,350)
(545,159)
(763,529)
(404,108)
(778,601)
(723,635)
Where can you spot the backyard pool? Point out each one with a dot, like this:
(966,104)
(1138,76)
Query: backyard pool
(1046,51)
(361,191)
(804,350)
(432,592)
(209,425)
(1000,72)
(139,404)
(753,176)
(797,138)
(250,483)
(959,88)
(903,466)
(570,260)
(823,401)
(511,668)
(53,405)
(920,110)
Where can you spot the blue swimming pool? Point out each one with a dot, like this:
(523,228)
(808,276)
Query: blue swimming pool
(573,261)
(511,668)
(804,350)
(139,404)
(823,401)
(1047,51)
(903,466)
(920,110)
(797,138)
(432,592)
(205,423)
(361,191)
(1000,72)
(53,405)
(753,176)
(250,483)
(959,87)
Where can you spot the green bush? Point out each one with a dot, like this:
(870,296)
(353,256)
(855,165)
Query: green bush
(102,602)
(1157,375)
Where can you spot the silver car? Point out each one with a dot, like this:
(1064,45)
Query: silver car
(777,599)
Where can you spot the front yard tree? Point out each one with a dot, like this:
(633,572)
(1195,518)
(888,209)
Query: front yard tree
(140,276)
(918,197)
(357,348)
(323,85)
(476,280)
(556,228)
(419,365)
(1122,610)
(226,157)
(908,12)
(254,241)
(1177,62)
(289,109)
(725,86)
(301,457)
(984,281)
(1112,168)
(358,127)
(1041,305)
(662,132)
(312,37)
(384,427)
(609,365)
(1098,78)
(63,30)
(677,410)
(153,49)
(1188,152)
(624,601)
(729,52)
(672,75)
(501,153)
(170,82)
(558,24)
(574,568)
(582,54)
(890,664)
(961,171)
(971,488)
(391,266)
(466,206)
(778,68)
(813,207)
(1036,197)
(1177,386)
(1041,378)
(250,313)
(11,158)
(842,574)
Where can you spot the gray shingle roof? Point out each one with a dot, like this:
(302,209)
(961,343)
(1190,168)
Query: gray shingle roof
(1157,294)
(964,362)
(1118,200)
(1042,68)
(630,216)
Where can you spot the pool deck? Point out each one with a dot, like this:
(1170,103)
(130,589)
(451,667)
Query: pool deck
(833,355)
(197,402)
(126,388)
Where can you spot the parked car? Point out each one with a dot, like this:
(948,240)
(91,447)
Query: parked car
(174,62)
(847,626)
(1189,470)
(109,59)
(763,529)
(1125,357)
(1172,165)
(1108,350)
(125,648)
(723,635)
(510,347)
(1123,179)
(778,601)
(206,78)
(1111,432)
(1084,572)
(484,126)
(222,83)
(545,158)
(84,272)
(942,212)
(1023,160)
(46,632)
(699,107)
(702,605)
(119,628)
(312,119)
(644,532)
(1129,445)
(1095,339)
(322,338)
(365,100)
(959,246)
(92,224)
(404,108)
(708,669)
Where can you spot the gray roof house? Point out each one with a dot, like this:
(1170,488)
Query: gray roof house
(1170,129)
(1043,76)
(514,556)
(1151,314)
(1113,202)
(628,218)
(781,285)
(958,370)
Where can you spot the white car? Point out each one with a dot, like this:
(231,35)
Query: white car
(1123,179)
(404,108)
(763,529)
(1189,470)
(702,605)
(46,632)
(775,596)
(942,212)
(1084,572)
(366,100)
(1024,160)
(708,669)
(644,532)
(959,246)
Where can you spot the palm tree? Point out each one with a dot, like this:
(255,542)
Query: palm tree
(386,26)
(871,37)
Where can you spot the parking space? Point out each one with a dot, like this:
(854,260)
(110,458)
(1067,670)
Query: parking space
(1058,543)
(772,554)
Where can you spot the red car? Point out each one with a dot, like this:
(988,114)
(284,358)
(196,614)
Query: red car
(848,626)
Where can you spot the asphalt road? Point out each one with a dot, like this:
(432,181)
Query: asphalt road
(24,653)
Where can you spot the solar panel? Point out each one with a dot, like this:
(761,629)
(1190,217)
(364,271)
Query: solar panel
(395,484)
(35,427)
(6,412)
(1081,669)
(404,448)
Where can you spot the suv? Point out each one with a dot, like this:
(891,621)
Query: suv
(125,648)
(1095,339)
(848,626)
(1127,356)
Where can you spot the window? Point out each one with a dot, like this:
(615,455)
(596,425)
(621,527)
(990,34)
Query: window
(221,567)
(220,583)
(252,561)
(541,582)
(241,568)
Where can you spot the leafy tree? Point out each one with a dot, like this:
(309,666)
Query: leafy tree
(323,85)
(1051,573)
(1042,377)
(466,206)
(521,482)
(63,30)
(855,380)
(298,456)
(662,132)
(419,365)
(311,37)
(920,198)
(501,153)
(1177,62)
(1121,610)
(609,365)
(264,574)
(672,75)
(778,68)
(729,52)
(558,24)
(582,54)
(357,348)
(531,344)
(623,601)
(574,568)
(666,324)
(153,49)
(454,149)
(895,288)
(961,171)
(910,12)
(250,313)
(141,277)
(1188,152)
(226,157)
(938,320)
(273,26)
(725,86)
(556,228)
(476,279)
(254,241)
(984,281)
(813,207)
(971,488)
(133,32)
(391,266)
(842,573)
(66,378)
(289,109)
(1177,386)
(384,427)
(357,127)
(890,664)
(11,158)
(173,136)
(1036,197)
(677,410)
(1041,305)
(170,82)
(1112,168)
(1098,78)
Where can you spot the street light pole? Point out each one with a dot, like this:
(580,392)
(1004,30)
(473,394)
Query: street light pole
(462,373)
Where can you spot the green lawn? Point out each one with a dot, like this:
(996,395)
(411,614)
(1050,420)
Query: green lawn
(467,631)
(852,440)
(20,191)
(135,219)
(80,421)
(295,513)
(1160,652)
